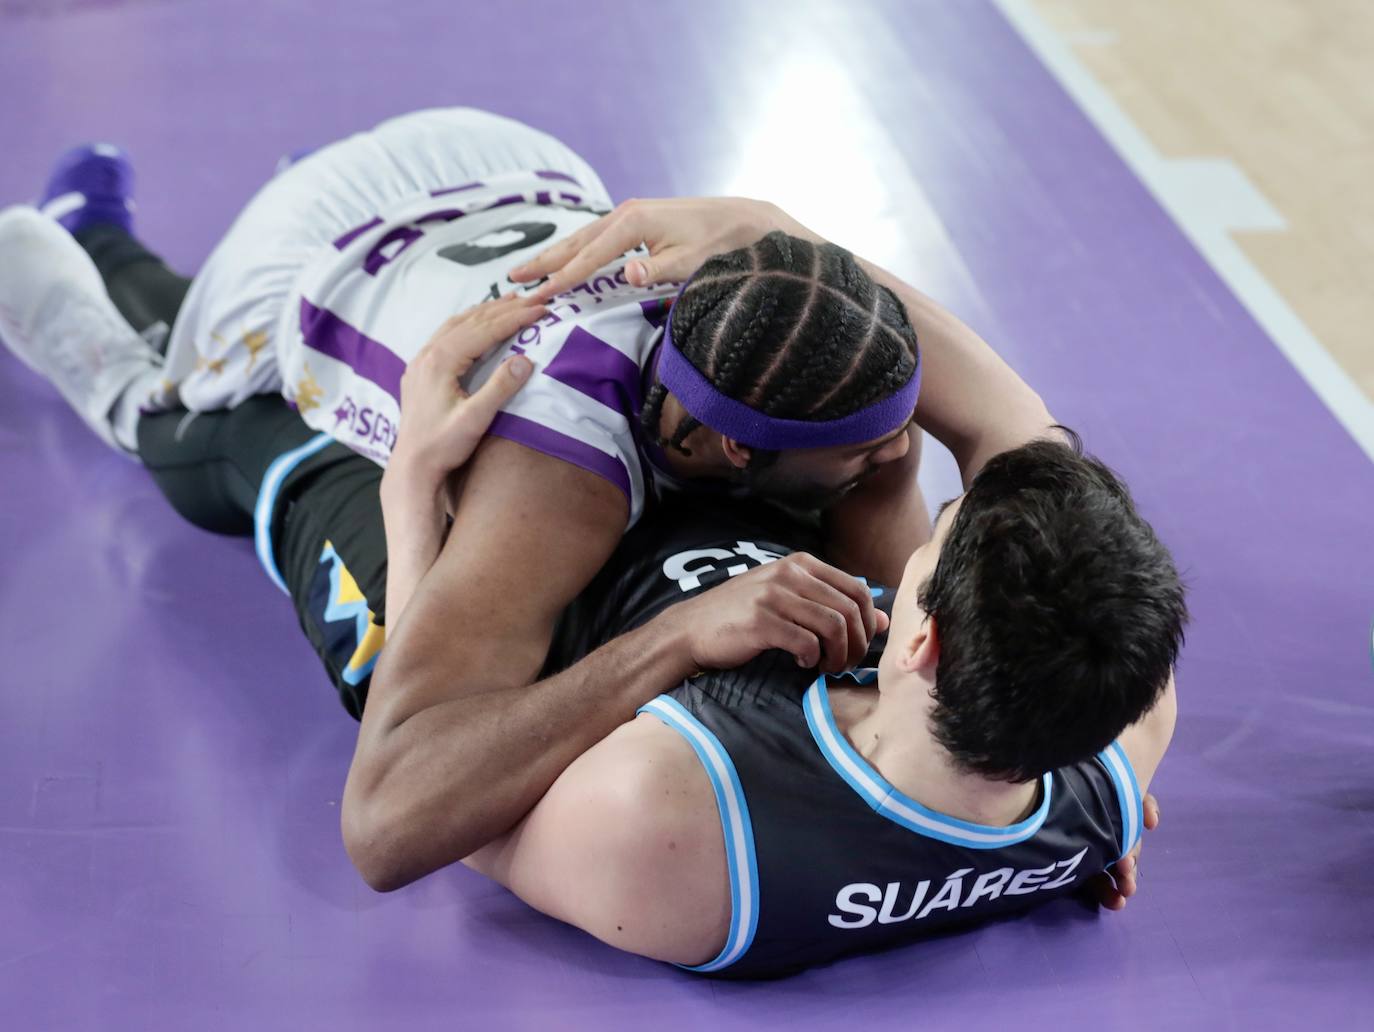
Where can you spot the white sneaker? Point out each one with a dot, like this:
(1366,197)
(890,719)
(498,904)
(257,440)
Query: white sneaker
(56,316)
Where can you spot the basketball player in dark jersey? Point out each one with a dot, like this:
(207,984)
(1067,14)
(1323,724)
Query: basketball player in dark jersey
(536,523)
(753,818)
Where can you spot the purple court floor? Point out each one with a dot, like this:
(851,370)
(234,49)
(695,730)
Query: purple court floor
(171,761)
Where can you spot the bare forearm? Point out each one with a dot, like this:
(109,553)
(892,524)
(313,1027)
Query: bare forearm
(995,409)
(415,520)
(454,776)
(971,400)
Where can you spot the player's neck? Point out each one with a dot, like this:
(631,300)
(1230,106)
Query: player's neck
(891,730)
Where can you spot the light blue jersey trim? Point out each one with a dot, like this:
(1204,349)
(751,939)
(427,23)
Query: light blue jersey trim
(734,822)
(267,500)
(901,809)
(1118,767)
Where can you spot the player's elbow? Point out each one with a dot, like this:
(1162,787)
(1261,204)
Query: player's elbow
(377,852)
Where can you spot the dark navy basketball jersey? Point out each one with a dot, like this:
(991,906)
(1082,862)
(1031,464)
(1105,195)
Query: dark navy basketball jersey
(826,857)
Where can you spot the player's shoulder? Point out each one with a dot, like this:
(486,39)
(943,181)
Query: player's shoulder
(664,848)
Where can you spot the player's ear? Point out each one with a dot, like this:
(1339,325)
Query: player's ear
(737,454)
(921,652)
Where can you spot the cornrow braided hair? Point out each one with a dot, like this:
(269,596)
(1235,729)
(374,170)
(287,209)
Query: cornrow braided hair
(793,329)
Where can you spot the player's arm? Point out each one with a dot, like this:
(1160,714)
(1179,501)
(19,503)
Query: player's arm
(454,746)
(1144,743)
(455,743)
(450,751)
(626,845)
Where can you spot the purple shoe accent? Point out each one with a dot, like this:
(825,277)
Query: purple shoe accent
(91,184)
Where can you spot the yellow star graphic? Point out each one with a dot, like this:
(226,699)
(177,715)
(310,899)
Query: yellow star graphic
(308,392)
(254,341)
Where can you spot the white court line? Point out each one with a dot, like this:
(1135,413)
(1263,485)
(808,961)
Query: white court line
(1207,199)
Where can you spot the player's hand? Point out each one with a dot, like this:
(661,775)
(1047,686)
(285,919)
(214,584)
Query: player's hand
(441,424)
(1112,888)
(680,234)
(821,615)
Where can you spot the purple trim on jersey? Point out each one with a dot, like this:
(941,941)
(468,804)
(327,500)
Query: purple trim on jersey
(587,364)
(325,332)
(356,232)
(442,215)
(560,446)
(378,258)
(656,311)
(454,189)
(545,173)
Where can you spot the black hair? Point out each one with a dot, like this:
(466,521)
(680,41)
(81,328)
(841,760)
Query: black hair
(793,329)
(1058,611)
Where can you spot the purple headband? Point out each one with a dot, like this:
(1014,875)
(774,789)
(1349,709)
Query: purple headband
(752,428)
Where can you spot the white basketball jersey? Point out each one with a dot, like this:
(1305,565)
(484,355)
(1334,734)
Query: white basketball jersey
(367,305)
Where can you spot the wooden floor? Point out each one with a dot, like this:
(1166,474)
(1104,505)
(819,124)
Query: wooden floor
(1285,90)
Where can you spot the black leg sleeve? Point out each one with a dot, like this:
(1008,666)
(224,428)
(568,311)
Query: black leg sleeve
(210,465)
(140,284)
(324,530)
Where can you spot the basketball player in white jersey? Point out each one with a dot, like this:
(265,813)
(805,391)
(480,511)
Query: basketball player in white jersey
(334,276)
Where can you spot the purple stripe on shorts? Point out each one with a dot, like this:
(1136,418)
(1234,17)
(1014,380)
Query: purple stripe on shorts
(588,364)
(545,173)
(561,446)
(356,232)
(454,189)
(326,333)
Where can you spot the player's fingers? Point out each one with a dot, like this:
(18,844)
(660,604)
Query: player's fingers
(1125,869)
(1151,808)
(461,347)
(1103,889)
(777,632)
(481,407)
(830,627)
(851,587)
(621,232)
(554,257)
(581,266)
(646,272)
(849,609)
(1126,884)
